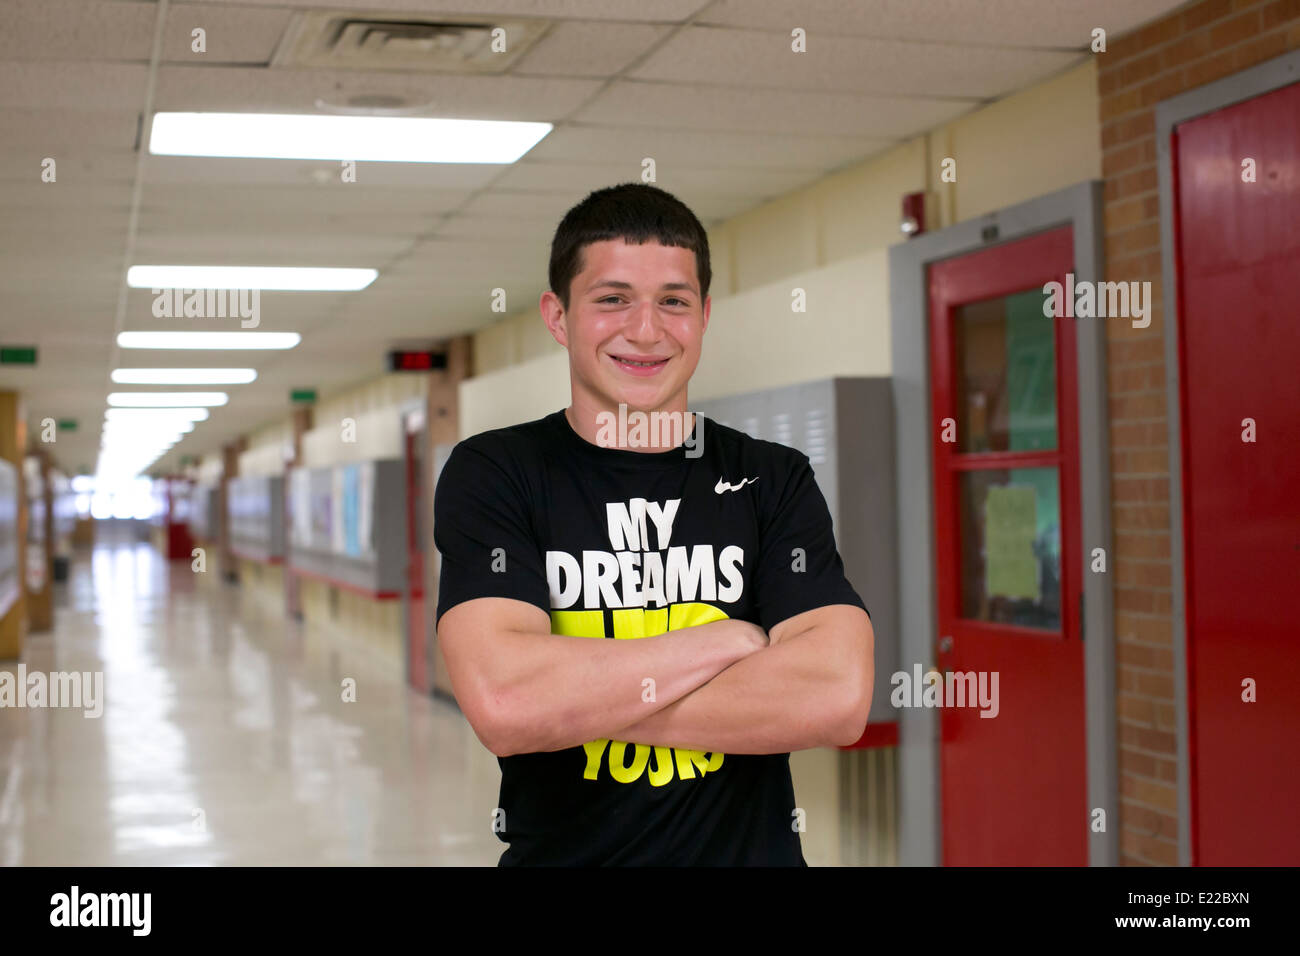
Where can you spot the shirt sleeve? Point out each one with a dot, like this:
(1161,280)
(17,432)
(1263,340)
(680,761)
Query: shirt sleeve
(484,532)
(799,567)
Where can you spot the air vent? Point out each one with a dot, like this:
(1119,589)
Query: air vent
(364,41)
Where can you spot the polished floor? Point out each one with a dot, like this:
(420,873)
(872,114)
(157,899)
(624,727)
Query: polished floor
(225,739)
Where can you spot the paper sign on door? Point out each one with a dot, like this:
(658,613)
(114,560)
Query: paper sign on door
(1010,528)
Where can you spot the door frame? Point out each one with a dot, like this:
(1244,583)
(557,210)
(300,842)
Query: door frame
(1079,206)
(414,409)
(1246,85)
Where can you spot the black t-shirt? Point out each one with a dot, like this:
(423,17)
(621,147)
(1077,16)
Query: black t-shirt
(613,542)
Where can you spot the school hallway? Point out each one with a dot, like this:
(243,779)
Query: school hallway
(329,329)
(228,742)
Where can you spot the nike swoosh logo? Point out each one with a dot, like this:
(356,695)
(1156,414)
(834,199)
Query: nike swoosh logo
(722,486)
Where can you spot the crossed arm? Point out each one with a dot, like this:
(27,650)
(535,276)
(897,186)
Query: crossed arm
(722,686)
(811,687)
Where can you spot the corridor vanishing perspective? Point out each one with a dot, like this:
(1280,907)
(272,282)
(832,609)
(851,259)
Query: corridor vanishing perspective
(227,738)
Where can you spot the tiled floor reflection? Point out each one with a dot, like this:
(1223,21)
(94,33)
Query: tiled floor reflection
(224,739)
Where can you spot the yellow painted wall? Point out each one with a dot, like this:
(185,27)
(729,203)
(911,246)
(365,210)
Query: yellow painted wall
(375,423)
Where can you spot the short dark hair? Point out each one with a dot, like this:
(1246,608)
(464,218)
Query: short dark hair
(634,212)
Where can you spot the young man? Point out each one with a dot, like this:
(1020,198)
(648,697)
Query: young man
(564,537)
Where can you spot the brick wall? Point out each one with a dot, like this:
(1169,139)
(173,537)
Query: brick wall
(1196,45)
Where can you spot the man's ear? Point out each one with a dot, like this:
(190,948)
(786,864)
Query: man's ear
(708,303)
(554,316)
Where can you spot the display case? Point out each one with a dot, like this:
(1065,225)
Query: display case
(846,428)
(256,507)
(10,579)
(347,526)
(38,554)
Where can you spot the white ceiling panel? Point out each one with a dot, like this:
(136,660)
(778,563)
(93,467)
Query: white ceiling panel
(252,90)
(51,128)
(72,165)
(232,34)
(589,49)
(753,60)
(19,196)
(776,112)
(202,170)
(756,184)
(475,227)
(1065,24)
(77,30)
(71,85)
(182,246)
(661,11)
(630,144)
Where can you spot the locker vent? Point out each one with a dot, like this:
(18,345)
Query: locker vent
(869,807)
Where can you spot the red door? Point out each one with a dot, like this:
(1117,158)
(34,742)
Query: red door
(418,671)
(1239,341)
(1007,547)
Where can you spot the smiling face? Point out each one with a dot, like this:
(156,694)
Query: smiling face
(633,329)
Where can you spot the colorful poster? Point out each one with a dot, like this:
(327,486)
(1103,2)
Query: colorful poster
(350,502)
(337,538)
(322,509)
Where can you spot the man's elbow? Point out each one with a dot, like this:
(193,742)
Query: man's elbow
(852,721)
(857,687)
(510,728)
(491,720)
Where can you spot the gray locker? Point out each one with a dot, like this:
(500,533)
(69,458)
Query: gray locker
(846,428)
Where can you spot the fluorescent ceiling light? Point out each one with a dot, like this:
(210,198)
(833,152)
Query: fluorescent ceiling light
(165,399)
(149,416)
(382,139)
(184,376)
(262,278)
(165,426)
(208,340)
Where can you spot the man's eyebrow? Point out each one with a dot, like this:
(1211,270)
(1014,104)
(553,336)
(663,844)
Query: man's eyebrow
(617,284)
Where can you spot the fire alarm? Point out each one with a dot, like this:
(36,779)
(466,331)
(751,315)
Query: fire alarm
(913,221)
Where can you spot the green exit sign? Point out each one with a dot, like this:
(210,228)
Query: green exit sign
(18,355)
(302,395)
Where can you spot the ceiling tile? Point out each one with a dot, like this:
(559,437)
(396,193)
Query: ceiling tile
(763,60)
(776,112)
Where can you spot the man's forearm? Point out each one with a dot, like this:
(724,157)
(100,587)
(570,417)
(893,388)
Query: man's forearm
(791,696)
(579,689)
